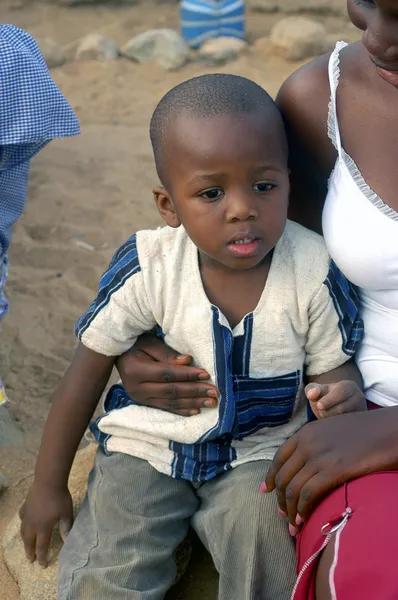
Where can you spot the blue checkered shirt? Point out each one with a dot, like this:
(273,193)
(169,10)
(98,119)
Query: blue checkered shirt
(32,112)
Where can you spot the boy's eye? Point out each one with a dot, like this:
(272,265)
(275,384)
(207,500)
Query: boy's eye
(263,187)
(212,194)
(365,3)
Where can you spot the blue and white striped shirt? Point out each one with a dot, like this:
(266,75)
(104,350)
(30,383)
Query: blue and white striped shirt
(306,321)
(202,20)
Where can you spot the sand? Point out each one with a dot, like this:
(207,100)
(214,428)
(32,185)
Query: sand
(86,196)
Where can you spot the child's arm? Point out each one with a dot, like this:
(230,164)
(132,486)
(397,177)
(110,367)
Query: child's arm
(48,502)
(336,392)
(120,313)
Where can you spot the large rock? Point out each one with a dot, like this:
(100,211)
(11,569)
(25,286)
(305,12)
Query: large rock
(3,483)
(52,53)
(315,7)
(164,46)
(221,50)
(265,6)
(77,2)
(97,47)
(34,582)
(297,38)
(10,434)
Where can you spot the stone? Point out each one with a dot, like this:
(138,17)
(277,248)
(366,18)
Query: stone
(265,6)
(164,46)
(3,483)
(36,583)
(94,2)
(97,47)
(297,38)
(309,7)
(10,434)
(221,50)
(52,53)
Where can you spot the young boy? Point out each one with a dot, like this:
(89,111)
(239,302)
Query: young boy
(258,304)
(32,113)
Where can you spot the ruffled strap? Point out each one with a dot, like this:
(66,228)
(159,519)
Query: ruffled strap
(334,77)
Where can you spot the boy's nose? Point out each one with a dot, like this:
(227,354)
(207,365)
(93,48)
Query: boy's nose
(241,207)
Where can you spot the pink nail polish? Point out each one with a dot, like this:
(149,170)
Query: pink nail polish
(281,514)
(263,488)
(299,520)
(292,530)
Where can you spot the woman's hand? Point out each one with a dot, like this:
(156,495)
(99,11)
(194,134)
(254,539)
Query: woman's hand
(155,375)
(324,454)
(44,508)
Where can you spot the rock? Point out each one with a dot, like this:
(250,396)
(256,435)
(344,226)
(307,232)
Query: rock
(52,53)
(297,38)
(36,583)
(262,46)
(164,46)
(3,483)
(265,6)
(10,434)
(97,47)
(221,50)
(314,7)
(95,2)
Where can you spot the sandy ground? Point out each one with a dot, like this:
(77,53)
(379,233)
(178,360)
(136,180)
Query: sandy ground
(94,189)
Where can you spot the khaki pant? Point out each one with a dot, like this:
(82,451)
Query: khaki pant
(133,518)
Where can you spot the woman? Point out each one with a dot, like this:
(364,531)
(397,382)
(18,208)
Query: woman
(349,538)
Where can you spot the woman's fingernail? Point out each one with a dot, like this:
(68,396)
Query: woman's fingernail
(263,488)
(212,393)
(193,412)
(203,376)
(182,356)
(299,520)
(292,530)
(210,403)
(281,514)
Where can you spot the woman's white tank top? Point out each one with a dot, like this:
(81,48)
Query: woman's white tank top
(361,233)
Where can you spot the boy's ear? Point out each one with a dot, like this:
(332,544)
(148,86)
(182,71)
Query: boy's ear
(166,207)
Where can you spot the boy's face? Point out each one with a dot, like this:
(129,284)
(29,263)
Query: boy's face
(228,184)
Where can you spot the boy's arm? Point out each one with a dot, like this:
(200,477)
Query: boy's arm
(334,334)
(48,502)
(336,392)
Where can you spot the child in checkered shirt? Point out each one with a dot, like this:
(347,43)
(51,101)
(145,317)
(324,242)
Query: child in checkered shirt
(32,113)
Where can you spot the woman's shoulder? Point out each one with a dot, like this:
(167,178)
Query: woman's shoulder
(306,93)
(306,79)
(306,90)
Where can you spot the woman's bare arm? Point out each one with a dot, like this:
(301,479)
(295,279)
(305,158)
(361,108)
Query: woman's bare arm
(303,101)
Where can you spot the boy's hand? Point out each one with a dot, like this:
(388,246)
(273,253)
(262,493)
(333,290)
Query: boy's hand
(329,400)
(44,508)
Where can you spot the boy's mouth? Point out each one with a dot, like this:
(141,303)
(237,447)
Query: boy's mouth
(244,245)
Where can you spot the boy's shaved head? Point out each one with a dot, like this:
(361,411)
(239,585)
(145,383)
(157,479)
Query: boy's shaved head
(209,96)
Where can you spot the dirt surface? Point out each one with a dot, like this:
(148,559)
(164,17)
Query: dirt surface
(94,189)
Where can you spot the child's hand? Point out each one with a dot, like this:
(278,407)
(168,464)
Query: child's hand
(43,509)
(329,400)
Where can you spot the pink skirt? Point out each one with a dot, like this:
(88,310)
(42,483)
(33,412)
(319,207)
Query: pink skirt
(363,517)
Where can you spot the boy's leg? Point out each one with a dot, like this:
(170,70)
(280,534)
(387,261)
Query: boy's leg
(251,546)
(121,545)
